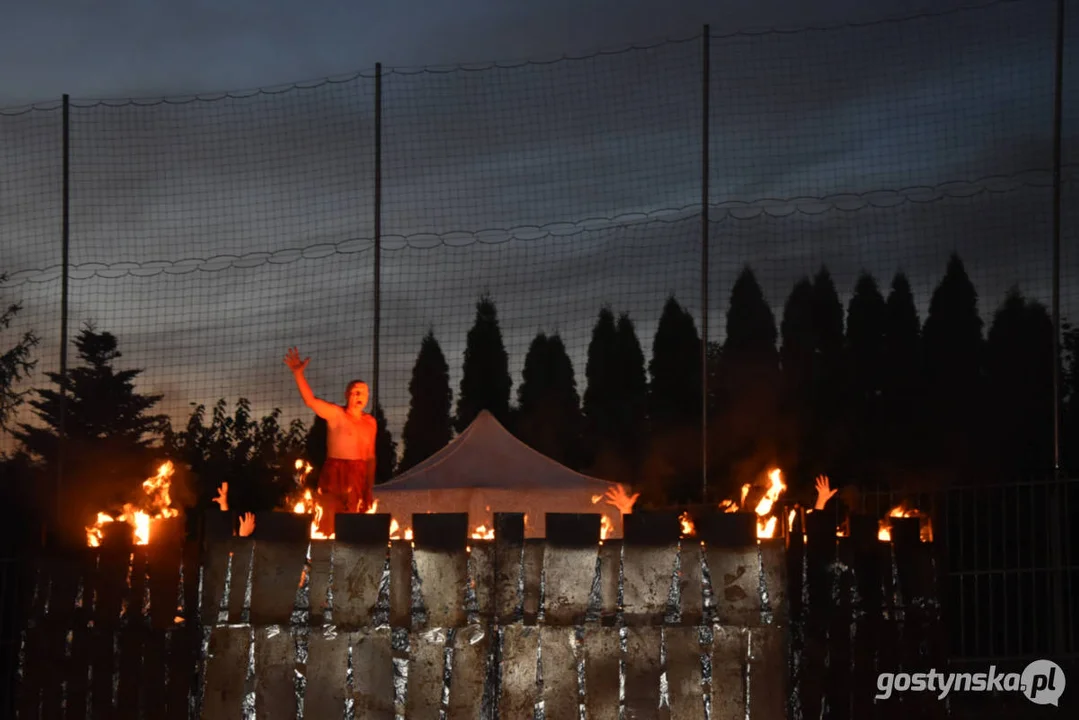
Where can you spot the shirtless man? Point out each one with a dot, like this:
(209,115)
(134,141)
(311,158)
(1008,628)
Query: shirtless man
(346,480)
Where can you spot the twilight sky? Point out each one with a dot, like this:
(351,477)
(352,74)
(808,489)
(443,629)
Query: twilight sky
(211,235)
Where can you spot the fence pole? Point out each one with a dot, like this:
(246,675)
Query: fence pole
(65,242)
(378,237)
(1056,504)
(705,82)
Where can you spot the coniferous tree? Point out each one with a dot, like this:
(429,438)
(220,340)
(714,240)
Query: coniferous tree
(615,401)
(1019,361)
(385,448)
(486,381)
(903,400)
(742,441)
(797,359)
(828,436)
(15,364)
(18,490)
(864,366)
(429,426)
(549,417)
(674,409)
(110,432)
(600,404)
(631,385)
(953,350)
(674,393)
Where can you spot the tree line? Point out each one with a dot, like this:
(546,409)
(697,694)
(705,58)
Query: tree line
(868,393)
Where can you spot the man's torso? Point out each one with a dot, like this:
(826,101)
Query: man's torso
(351,437)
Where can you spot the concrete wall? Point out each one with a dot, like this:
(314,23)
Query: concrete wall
(272,626)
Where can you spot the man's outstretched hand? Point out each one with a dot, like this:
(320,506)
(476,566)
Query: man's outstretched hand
(619,498)
(292,359)
(222,498)
(824,492)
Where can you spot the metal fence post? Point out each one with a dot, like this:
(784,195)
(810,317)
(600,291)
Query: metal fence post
(378,237)
(65,241)
(705,82)
(1054,507)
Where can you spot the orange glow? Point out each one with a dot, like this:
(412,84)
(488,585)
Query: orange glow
(483,533)
(157,493)
(884,526)
(687,525)
(605,527)
(766,520)
(395,531)
(307,505)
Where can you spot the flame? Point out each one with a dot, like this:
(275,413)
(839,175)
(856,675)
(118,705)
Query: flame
(687,525)
(159,500)
(373,509)
(395,531)
(766,521)
(483,533)
(884,526)
(605,527)
(307,505)
(596,499)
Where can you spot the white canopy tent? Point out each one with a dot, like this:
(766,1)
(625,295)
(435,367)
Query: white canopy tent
(485,470)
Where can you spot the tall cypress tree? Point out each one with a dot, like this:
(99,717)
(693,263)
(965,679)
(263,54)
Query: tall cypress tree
(797,356)
(615,400)
(549,408)
(743,440)
(486,381)
(1019,361)
(954,347)
(674,393)
(385,448)
(865,375)
(429,426)
(903,399)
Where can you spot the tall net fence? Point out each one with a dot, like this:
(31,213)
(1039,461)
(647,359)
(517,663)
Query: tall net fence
(211,233)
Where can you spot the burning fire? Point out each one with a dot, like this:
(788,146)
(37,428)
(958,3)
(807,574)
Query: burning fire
(605,527)
(307,505)
(157,491)
(766,520)
(483,533)
(395,531)
(687,525)
(884,531)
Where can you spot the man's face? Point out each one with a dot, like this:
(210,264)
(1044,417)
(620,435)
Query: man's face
(356,395)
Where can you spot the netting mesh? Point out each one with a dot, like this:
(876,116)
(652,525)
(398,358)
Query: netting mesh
(211,234)
(30,223)
(551,283)
(542,143)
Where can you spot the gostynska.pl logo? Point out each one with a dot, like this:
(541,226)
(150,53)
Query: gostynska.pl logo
(1041,682)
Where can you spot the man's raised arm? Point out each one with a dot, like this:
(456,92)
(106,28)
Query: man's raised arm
(323,409)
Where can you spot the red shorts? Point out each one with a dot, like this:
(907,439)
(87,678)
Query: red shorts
(343,486)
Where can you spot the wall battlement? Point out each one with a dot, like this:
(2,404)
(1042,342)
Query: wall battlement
(364,627)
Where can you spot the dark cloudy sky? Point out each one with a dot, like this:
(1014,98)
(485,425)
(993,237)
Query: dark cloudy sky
(210,235)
